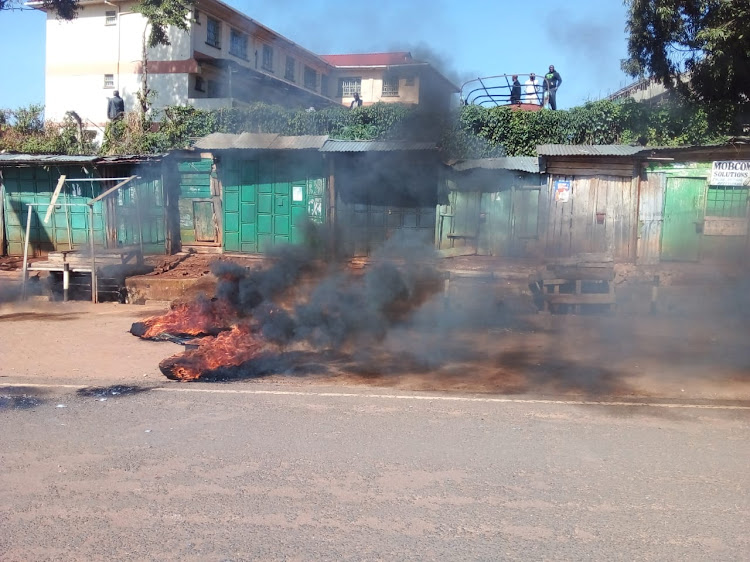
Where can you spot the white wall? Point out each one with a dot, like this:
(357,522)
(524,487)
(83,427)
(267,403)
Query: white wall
(79,53)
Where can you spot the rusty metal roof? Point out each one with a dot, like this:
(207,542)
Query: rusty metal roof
(375,146)
(529,164)
(259,141)
(28,159)
(369,59)
(301,142)
(588,150)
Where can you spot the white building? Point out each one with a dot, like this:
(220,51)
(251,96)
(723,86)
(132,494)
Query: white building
(224,59)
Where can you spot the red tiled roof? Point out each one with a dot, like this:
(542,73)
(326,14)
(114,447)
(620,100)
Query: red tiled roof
(369,59)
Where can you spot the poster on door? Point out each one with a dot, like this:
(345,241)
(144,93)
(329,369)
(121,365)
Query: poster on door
(562,191)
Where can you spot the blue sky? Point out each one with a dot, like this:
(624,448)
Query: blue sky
(584,39)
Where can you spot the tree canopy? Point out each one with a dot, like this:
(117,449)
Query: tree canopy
(159,13)
(705,41)
(66,9)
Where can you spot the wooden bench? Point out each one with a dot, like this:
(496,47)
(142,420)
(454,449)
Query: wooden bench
(563,286)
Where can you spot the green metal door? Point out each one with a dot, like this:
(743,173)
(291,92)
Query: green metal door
(241,206)
(682,231)
(267,202)
(68,225)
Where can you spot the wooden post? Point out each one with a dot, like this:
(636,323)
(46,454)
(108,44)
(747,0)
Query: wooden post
(55,195)
(331,214)
(26,254)
(2,215)
(66,280)
(93,255)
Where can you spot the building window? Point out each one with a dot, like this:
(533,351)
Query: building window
(110,17)
(109,80)
(311,78)
(200,84)
(238,44)
(267,58)
(196,17)
(390,87)
(726,201)
(213,32)
(289,72)
(324,84)
(350,86)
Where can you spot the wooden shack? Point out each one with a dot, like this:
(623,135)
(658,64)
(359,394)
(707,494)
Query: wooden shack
(590,204)
(492,207)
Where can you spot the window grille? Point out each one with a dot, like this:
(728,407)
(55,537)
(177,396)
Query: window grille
(109,80)
(110,17)
(726,201)
(350,86)
(311,78)
(238,44)
(267,57)
(290,69)
(390,87)
(213,32)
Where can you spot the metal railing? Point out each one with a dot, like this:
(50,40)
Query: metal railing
(498,90)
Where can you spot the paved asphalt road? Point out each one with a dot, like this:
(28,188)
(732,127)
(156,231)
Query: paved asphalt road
(255,471)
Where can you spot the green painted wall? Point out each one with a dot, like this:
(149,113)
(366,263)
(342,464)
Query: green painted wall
(268,198)
(139,211)
(195,204)
(67,227)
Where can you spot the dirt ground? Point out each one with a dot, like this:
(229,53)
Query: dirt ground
(668,357)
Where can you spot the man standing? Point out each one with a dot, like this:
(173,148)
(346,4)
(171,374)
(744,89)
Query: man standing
(115,107)
(515,91)
(532,90)
(356,102)
(552,82)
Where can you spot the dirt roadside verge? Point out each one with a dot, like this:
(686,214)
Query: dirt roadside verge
(81,343)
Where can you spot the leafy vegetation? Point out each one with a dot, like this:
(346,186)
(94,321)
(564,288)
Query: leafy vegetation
(470,132)
(66,9)
(24,131)
(704,40)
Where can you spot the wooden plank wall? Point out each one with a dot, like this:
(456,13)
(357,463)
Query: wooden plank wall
(650,214)
(601,215)
(2,215)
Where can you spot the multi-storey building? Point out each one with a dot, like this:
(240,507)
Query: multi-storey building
(224,59)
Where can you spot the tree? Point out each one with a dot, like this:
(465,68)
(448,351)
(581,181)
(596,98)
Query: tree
(161,14)
(65,9)
(705,41)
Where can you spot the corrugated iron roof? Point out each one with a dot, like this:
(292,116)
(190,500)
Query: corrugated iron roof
(528,164)
(224,141)
(301,142)
(375,146)
(588,150)
(260,141)
(45,159)
(369,59)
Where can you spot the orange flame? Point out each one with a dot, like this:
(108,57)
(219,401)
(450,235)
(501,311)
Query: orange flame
(192,319)
(228,349)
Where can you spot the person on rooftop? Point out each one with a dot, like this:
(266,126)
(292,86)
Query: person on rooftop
(515,91)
